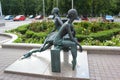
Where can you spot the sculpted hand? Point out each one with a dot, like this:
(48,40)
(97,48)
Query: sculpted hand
(80,48)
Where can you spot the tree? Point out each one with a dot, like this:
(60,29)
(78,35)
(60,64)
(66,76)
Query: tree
(84,7)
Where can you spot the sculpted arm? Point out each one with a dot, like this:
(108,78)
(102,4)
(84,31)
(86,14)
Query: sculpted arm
(72,38)
(60,21)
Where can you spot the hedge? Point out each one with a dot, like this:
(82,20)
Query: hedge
(22,29)
(37,31)
(101,35)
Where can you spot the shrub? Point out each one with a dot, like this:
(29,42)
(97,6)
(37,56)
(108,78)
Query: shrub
(115,41)
(19,40)
(86,32)
(29,34)
(22,29)
(81,37)
(40,26)
(39,35)
(87,27)
(91,41)
(101,35)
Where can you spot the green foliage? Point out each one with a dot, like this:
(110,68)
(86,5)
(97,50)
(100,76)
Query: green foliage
(19,40)
(29,34)
(22,29)
(105,35)
(84,7)
(83,28)
(101,35)
(88,27)
(87,33)
(91,41)
(115,41)
(38,26)
(34,32)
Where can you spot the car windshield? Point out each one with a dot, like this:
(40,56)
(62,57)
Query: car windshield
(7,16)
(108,16)
(31,16)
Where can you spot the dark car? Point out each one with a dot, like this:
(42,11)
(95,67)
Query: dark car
(19,18)
(9,17)
(85,18)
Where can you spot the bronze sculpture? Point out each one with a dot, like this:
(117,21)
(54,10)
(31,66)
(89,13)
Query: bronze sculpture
(63,39)
(71,42)
(49,39)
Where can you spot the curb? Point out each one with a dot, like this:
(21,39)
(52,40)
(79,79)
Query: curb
(89,49)
(21,45)
(12,36)
(9,44)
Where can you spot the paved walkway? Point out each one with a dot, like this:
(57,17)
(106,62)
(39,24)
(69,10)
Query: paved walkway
(101,66)
(104,66)
(4,39)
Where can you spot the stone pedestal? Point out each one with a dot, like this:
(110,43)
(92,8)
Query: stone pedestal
(39,64)
(66,57)
(55,60)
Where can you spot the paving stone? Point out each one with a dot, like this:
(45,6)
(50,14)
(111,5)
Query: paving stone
(104,65)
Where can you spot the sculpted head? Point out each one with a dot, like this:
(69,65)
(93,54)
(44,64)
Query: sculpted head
(55,10)
(72,14)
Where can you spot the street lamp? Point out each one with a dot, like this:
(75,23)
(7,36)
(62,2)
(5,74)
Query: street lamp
(44,8)
(0,9)
(57,3)
(72,4)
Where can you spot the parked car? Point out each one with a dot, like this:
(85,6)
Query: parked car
(85,18)
(39,17)
(31,16)
(50,17)
(9,17)
(19,18)
(109,18)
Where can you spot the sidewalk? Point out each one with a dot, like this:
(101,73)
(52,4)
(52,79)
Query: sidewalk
(104,66)
(4,39)
(101,66)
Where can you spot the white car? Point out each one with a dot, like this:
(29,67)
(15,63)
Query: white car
(109,18)
(9,17)
(50,17)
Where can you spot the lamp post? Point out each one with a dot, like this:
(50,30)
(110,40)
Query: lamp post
(57,3)
(0,9)
(44,9)
(72,4)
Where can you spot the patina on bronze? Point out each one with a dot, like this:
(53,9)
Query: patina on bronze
(61,40)
(49,39)
(64,39)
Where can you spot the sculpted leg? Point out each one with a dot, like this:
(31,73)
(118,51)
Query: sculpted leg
(74,55)
(73,47)
(30,53)
(43,48)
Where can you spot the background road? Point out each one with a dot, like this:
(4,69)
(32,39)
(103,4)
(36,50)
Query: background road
(9,24)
